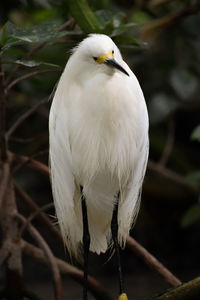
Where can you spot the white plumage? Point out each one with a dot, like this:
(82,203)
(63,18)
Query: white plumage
(98,139)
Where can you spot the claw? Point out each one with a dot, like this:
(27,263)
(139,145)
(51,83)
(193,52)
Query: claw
(123,297)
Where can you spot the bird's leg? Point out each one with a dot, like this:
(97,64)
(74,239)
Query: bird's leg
(114,230)
(86,242)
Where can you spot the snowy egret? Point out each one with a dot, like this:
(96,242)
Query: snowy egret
(98,149)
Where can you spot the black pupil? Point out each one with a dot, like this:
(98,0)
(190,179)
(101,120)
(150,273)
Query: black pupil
(95,58)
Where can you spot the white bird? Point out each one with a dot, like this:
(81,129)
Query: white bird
(99,146)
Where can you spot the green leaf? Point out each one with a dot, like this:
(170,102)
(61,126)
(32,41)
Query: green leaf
(194,177)
(84,16)
(195,136)
(191,216)
(36,34)
(29,63)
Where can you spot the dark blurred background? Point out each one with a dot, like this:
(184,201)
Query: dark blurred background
(160,40)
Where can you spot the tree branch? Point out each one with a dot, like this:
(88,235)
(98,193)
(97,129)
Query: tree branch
(94,286)
(24,116)
(29,75)
(4,180)
(3,141)
(54,267)
(173,176)
(153,29)
(151,261)
(189,290)
(168,144)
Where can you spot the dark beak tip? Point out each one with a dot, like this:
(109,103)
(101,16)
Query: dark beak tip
(113,64)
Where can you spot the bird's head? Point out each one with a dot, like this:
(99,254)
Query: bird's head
(98,51)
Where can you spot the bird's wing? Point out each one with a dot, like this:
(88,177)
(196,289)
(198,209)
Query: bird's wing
(131,192)
(131,195)
(62,178)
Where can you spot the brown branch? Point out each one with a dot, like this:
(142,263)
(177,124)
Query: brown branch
(23,161)
(3,141)
(41,216)
(33,164)
(169,143)
(47,251)
(151,261)
(4,180)
(33,216)
(4,252)
(189,290)
(24,116)
(153,29)
(29,75)
(173,176)
(94,286)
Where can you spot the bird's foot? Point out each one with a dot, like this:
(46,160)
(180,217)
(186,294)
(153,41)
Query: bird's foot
(123,297)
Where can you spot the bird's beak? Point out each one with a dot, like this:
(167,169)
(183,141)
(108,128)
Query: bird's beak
(113,64)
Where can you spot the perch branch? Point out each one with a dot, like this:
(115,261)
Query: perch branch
(94,286)
(54,267)
(151,261)
(189,290)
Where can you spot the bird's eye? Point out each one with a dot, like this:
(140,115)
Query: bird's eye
(113,52)
(95,58)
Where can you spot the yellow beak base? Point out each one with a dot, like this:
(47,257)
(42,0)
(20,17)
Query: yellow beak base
(123,297)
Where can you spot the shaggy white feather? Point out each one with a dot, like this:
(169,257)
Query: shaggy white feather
(98,139)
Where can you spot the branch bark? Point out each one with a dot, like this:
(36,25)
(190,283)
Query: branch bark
(29,75)
(189,290)
(173,176)
(24,116)
(94,286)
(47,251)
(3,141)
(152,262)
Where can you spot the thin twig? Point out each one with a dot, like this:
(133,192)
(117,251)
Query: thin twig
(24,162)
(4,181)
(3,141)
(24,116)
(53,264)
(41,216)
(33,216)
(4,251)
(151,261)
(153,29)
(32,163)
(173,176)
(29,75)
(94,286)
(169,143)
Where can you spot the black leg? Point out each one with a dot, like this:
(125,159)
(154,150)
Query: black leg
(86,242)
(114,230)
